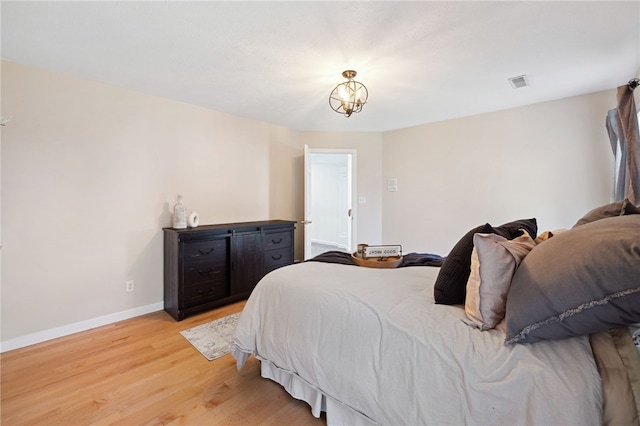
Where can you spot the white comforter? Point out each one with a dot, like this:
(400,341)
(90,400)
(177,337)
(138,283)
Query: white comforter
(375,341)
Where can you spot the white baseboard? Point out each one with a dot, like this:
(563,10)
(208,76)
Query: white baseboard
(65,330)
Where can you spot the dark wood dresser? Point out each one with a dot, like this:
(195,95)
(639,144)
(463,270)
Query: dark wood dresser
(213,265)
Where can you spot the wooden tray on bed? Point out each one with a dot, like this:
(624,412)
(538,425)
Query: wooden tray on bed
(377,262)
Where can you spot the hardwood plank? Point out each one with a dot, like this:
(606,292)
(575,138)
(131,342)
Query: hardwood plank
(139,371)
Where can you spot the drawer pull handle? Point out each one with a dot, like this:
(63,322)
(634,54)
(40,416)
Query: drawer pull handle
(205,252)
(276,257)
(209,271)
(203,292)
(276,242)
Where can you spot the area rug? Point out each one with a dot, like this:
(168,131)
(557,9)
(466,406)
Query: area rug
(213,338)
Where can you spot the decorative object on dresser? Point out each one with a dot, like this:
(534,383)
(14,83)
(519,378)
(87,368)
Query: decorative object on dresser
(179,214)
(214,265)
(194,220)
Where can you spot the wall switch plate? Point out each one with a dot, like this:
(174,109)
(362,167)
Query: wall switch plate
(362,200)
(392,185)
(129,286)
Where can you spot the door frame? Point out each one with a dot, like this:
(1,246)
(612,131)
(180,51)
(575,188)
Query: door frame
(354,192)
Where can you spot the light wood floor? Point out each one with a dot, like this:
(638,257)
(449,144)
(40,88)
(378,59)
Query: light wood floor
(140,372)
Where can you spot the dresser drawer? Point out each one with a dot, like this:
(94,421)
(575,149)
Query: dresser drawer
(200,272)
(202,293)
(277,258)
(277,240)
(207,250)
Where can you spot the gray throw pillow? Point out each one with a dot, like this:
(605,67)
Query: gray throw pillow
(619,208)
(582,281)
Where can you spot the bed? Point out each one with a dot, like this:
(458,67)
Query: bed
(376,346)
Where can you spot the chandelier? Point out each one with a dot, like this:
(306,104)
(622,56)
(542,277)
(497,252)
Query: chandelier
(350,96)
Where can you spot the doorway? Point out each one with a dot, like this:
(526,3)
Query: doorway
(329,222)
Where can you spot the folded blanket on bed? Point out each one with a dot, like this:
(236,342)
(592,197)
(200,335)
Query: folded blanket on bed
(421,259)
(410,259)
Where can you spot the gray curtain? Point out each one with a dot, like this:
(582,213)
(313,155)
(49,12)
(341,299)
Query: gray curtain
(624,135)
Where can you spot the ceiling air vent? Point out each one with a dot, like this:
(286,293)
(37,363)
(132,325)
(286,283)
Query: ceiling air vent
(519,81)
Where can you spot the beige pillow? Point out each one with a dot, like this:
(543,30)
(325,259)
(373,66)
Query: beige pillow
(547,234)
(543,237)
(493,262)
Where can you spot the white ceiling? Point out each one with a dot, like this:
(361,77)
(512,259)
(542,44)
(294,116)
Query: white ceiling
(277,62)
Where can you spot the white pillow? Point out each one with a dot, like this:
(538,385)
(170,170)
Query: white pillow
(493,262)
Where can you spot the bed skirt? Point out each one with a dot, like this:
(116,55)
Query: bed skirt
(336,412)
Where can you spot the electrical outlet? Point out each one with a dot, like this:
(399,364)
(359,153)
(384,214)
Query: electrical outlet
(129,286)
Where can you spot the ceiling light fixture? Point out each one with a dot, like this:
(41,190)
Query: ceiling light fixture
(350,96)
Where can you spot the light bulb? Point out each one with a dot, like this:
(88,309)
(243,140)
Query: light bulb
(343,92)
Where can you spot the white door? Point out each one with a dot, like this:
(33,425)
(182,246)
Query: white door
(329,190)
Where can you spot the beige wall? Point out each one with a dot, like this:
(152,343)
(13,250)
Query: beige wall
(90,174)
(551,161)
(89,177)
